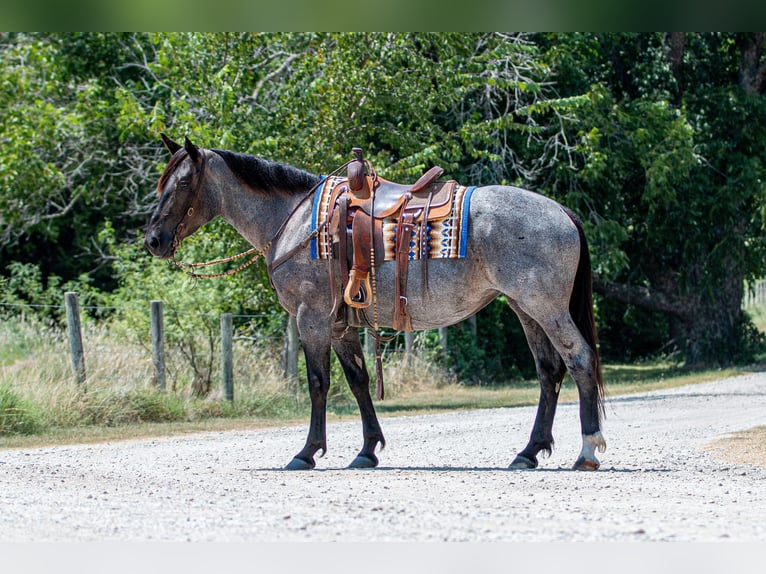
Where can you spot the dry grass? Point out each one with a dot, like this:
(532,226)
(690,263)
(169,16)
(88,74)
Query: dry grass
(38,386)
(121,401)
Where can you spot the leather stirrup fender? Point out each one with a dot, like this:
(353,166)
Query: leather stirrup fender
(401,319)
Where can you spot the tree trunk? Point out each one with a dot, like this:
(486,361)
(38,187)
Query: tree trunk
(675,45)
(752,66)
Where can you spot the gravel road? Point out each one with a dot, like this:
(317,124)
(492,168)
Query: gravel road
(442,478)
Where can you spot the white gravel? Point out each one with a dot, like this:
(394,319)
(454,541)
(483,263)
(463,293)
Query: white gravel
(442,478)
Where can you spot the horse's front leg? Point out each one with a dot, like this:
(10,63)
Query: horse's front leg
(315,338)
(349,351)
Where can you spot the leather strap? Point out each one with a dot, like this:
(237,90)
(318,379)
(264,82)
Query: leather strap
(401,319)
(343,239)
(424,248)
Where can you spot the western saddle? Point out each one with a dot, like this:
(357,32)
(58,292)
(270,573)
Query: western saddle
(358,207)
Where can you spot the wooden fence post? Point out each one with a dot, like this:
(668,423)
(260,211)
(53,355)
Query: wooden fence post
(158,343)
(75,338)
(227,356)
(409,343)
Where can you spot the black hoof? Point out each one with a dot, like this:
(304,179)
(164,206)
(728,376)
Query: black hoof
(300,464)
(363,461)
(522,463)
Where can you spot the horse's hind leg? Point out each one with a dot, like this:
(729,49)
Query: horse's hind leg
(550,372)
(349,351)
(581,361)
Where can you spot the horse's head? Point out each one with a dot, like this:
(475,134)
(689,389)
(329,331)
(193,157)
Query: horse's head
(183,206)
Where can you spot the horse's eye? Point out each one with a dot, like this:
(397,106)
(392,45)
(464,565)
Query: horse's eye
(184,182)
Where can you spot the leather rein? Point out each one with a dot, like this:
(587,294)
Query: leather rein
(257,254)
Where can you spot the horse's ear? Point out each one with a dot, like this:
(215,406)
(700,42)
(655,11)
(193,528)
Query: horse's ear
(172,146)
(191,149)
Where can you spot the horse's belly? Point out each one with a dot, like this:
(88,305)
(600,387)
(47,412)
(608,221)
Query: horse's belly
(455,291)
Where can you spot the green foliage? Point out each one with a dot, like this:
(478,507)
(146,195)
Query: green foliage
(497,353)
(670,169)
(475,104)
(629,333)
(27,289)
(664,160)
(92,105)
(17,416)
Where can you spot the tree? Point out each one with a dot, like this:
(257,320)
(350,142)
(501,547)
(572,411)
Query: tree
(66,166)
(670,176)
(656,139)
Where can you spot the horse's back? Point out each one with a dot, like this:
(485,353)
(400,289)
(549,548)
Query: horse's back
(519,243)
(519,211)
(523,234)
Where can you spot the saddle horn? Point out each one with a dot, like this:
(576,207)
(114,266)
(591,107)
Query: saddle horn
(355,171)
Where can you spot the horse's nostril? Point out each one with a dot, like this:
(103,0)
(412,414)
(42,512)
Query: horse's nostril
(152,242)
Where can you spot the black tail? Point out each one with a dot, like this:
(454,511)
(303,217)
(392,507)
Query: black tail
(581,305)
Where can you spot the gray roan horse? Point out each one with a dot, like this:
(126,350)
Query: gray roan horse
(520,244)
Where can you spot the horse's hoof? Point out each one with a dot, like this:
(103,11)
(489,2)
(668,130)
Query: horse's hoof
(363,461)
(522,463)
(586,464)
(300,464)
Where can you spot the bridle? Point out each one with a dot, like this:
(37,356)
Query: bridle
(254,251)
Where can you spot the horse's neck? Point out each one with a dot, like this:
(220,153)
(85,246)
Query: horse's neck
(256,216)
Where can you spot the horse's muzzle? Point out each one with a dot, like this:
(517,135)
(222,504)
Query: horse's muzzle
(159,244)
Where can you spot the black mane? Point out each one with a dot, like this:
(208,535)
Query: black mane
(265,175)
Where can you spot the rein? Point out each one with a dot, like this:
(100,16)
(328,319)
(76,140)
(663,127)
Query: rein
(186,267)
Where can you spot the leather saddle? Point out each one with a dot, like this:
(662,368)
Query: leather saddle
(359,206)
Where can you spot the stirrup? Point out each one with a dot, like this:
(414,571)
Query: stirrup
(358,289)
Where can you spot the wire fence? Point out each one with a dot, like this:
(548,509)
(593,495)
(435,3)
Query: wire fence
(87,341)
(25,334)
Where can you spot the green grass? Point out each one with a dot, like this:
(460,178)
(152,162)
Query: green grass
(17,415)
(619,380)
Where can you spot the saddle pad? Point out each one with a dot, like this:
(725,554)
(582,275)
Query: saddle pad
(447,237)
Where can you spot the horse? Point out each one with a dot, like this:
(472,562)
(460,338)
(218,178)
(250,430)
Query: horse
(520,244)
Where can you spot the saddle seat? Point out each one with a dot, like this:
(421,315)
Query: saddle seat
(391,197)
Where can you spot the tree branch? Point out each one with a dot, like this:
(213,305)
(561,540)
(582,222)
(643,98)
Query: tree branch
(273,74)
(640,296)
